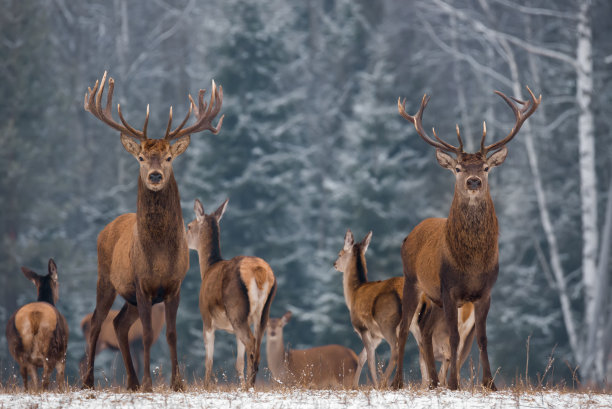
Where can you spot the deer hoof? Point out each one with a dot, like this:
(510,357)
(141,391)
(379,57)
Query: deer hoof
(398,383)
(490,385)
(177,386)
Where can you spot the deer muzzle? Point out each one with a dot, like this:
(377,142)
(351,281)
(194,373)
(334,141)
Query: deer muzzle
(473,183)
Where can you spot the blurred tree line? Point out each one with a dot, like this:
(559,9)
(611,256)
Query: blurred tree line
(312,145)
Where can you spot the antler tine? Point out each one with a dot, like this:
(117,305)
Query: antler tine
(520,115)
(93,104)
(205,114)
(416,121)
(484,135)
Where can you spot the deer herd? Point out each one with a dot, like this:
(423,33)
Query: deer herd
(449,268)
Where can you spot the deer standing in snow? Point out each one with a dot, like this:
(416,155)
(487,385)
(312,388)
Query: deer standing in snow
(235,294)
(143,256)
(37,333)
(454,260)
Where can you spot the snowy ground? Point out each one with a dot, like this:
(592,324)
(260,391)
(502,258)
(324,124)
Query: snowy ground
(296,399)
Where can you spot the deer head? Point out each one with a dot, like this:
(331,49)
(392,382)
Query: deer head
(205,227)
(347,252)
(471,170)
(47,286)
(155,156)
(275,326)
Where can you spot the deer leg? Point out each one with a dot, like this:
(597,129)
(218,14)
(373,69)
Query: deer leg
(209,347)
(105,295)
(481,309)
(363,355)
(60,367)
(426,324)
(172,305)
(450,315)
(144,313)
(240,351)
(370,345)
(391,338)
(409,304)
(260,328)
(46,375)
(33,372)
(244,334)
(23,370)
(122,323)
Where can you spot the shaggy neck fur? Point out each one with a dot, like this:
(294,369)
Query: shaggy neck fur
(471,233)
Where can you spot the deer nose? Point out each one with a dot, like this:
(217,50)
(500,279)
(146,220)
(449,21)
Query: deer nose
(474,183)
(155,177)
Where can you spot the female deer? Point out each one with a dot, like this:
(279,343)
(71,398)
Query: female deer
(235,294)
(37,333)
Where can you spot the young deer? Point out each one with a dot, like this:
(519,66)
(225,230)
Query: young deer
(454,260)
(108,338)
(37,333)
(430,318)
(375,306)
(235,294)
(143,256)
(323,367)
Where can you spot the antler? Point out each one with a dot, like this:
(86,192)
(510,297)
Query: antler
(92,103)
(416,121)
(205,114)
(528,108)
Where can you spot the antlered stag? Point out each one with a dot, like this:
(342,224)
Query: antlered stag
(37,333)
(108,338)
(143,256)
(234,295)
(454,260)
(322,367)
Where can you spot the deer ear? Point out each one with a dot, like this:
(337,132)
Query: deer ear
(52,270)
(198,209)
(180,145)
(445,160)
(497,158)
(219,212)
(349,240)
(365,243)
(30,275)
(286,317)
(130,145)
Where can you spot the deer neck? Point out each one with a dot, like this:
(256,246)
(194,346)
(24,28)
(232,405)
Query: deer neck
(355,276)
(471,233)
(209,250)
(159,217)
(277,362)
(45,294)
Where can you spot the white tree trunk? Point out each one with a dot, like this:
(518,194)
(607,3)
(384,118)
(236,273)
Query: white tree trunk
(588,189)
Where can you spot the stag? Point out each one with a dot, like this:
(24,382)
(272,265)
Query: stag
(454,260)
(143,256)
(322,367)
(37,333)
(234,295)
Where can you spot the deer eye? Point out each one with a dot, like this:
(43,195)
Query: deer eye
(169,158)
(486,169)
(140,158)
(457,170)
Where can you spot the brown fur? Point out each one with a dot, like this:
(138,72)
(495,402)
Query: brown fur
(37,333)
(454,261)
(234,294)
(375,307)
(108,339)
(319,367)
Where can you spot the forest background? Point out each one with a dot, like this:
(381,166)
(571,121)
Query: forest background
(311,145)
